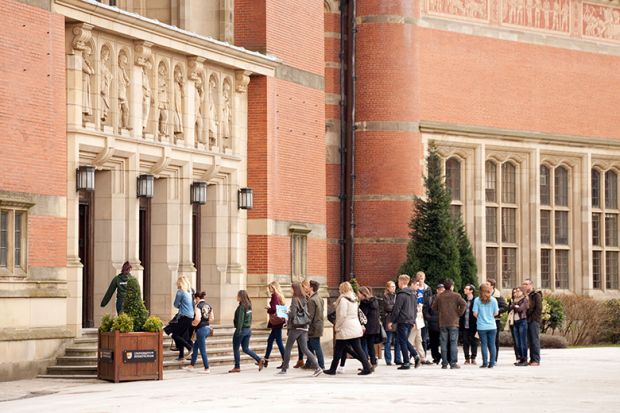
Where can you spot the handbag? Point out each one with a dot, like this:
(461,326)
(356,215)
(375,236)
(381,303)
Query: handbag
(276,321)
(383,335)
(300,318)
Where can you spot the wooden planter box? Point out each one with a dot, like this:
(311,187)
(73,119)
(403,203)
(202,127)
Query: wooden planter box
(130,356)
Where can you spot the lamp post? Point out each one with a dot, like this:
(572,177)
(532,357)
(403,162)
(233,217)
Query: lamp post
(145,186)
(245,198)
(198,194)
(85,178)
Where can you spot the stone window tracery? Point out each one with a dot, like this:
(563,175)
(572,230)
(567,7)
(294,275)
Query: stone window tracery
(605,248)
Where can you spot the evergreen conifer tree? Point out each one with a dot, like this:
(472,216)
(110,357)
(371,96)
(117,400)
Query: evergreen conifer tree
(467,260)
(433,245)
(133,304)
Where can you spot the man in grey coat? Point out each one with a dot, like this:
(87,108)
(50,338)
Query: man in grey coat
(315,331)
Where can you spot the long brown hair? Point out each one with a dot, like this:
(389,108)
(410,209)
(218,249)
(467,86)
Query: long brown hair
(485,293)
(365,292)
(298,292)
(244,300)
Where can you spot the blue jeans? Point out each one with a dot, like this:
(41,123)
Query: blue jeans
(201,344)
(275,335)
(487,343)
(449,338)
(242,339)
(533,335)
(406,348)
(520,336)
(387,350)
(314,345)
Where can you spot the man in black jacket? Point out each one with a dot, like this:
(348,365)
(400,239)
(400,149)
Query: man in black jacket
(534,314)
(468,327)
(431,318)
(403,315)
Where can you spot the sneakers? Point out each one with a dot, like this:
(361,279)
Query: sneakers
(205,371)
(188,368)
(300,363)
(261,364)
(455,366)
(404,367)
(281,373)
(340,370)
(483,366)
(491,366)
(317,372)
(235,370)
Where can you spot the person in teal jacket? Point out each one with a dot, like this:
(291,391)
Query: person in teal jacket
(118,284)
(243,332)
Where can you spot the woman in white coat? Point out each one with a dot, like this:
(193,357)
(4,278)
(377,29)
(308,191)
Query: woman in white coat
(348,329)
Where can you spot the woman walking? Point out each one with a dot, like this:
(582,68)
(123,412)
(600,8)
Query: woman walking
(203,315)
(389,297)
(298,324)
(485,309)
(183,330)
(275,323)
(517,319)
(348,329)
(243,332)
(372,335)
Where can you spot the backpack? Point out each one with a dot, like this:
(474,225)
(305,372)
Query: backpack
(300,318)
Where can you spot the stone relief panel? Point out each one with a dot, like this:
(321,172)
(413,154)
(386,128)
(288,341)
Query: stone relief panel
(227,118)
(213,111)
(468,9)
(105,83)
(179,95)
(88,76)
(123,84)
(602,22)
(162,99)
(551,15)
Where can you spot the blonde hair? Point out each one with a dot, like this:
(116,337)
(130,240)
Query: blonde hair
(183,283)
(404,277)
(275,287)
(419,275)
(388,285)
(345,287)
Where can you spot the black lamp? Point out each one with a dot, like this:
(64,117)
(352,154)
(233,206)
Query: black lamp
(145,186)
(85,178)
(245,198)
(199,193)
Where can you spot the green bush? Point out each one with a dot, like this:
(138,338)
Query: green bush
(153,324)
(123,323)
(354,284)
(106,323)
(611,325)
(133,304)
(552,314)
(503,320)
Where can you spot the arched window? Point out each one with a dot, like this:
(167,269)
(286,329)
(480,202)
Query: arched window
(605,248)
(501,222)
(554,227)
(453,184)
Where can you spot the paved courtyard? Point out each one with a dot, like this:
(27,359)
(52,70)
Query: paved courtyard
(573,380)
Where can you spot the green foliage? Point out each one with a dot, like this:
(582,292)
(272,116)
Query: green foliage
(123,323)
(552,314)
(153,324)
(133,304)
(106,323)
(354,284)
(433,247)
(611,325)
(467,260)
(503,320)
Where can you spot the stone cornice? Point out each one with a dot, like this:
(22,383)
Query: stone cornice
(533,136)
(137,27)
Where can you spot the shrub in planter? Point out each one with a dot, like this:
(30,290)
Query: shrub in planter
(122,323)
(153,324)
(106,323)
(133,304)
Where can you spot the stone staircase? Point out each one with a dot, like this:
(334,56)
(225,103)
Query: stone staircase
(80,358)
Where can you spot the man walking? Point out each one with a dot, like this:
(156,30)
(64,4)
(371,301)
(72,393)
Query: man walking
(404,315)
(451,307)
(534,313)
(315,331)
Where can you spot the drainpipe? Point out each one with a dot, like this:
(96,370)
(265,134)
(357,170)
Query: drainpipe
(343,135)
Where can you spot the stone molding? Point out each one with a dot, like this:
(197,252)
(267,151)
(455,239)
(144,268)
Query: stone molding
(300,77)
(272,227)
(43,333)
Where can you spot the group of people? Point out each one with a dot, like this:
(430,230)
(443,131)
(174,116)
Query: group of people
(419,326)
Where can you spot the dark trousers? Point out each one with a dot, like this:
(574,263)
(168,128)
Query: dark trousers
(368,344)
(498,329)
(514,343)
(301,337)
(182,335)
(348,350)
(314,345)
(533,335)
(449,337)
(520,337)
(470,344)
(434,343)
(339,353)
(406,348)
(275,335)
(242,339)
(387,350)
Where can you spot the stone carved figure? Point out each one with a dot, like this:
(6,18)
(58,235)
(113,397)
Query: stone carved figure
(178,101)
(147,98)
(106,83)
(87,72)
(601,21)
(546,14)
(213,120)
(123,87)
(162,99)
(198,123)
(537,11)
(226,114)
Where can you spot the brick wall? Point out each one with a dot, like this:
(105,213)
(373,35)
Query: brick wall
(33,119)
